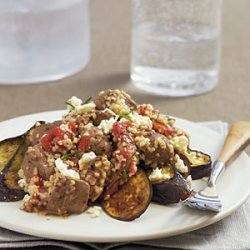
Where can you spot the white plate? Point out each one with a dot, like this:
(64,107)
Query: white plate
(158,221)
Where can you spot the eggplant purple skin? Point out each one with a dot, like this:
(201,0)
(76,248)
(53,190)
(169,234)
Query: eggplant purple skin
(198,171)
(7,194)
(201,171)
(171,191)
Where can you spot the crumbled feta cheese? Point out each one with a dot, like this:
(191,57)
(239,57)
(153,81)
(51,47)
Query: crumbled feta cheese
(180,143)
(140,120)
(107,125)
(77,104)
(158,175)
(94,211)
(179,164)
(26,198)
(74,101)
(22,183)
(63,168)
(86,107)
(87,157)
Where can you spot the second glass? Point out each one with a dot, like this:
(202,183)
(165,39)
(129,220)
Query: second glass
(176,46)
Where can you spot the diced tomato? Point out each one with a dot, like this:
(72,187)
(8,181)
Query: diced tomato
(57,132)
(159,127)
(55,135)
(124,152)
(46,142)
(127,154)
(116,130)
(170,131)
(163,129)
(84,143)
(70,135)
(119,128)
(73,127)
(142,109)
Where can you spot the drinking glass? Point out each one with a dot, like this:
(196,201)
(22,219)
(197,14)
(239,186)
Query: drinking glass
(43,40)
(176,46)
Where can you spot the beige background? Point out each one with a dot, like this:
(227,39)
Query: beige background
(109,68)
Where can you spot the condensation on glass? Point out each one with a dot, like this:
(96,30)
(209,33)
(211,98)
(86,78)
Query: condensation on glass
(176,46)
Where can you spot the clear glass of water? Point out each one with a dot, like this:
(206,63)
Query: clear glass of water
(176,46)
(43,40)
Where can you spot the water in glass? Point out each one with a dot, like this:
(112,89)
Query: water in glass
(174,58)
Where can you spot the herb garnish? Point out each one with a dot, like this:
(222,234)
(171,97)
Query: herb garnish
(71,105)
(171,118)
(126,116)
(88,100)
(67,155)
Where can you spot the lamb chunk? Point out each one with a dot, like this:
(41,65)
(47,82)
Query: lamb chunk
(158,152)
(99,143)
(68,196)
(101,115)
(116,100)
(35,163)
(38,131)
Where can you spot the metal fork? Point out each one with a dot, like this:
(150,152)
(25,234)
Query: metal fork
(236,141)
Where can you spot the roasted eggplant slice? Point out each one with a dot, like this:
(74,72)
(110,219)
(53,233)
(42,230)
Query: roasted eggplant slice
(167,191)
(10,171)
(11,154)
(8,148)
(200,163)
(131,200)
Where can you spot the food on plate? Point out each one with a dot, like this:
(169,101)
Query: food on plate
(171,187)
(110,152)
(131,200)
(11,153)
(198,162)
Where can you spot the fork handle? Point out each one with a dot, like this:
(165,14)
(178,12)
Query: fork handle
(236,141)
